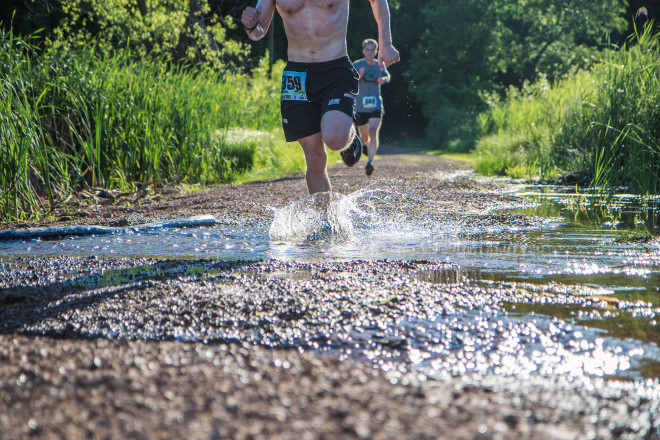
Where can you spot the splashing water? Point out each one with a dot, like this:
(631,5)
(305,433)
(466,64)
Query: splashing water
(318,216)
(337,218)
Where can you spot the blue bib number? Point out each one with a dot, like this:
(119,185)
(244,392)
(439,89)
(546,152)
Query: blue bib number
(370,102)
(293,86)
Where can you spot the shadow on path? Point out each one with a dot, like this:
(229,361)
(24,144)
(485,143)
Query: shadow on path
(44,297)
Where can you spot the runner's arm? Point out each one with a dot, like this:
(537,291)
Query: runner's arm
(257,20)
(385,76)
(387,54)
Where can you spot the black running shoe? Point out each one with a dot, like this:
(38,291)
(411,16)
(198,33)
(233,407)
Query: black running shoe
(365,150)
(351,155)
(369,169)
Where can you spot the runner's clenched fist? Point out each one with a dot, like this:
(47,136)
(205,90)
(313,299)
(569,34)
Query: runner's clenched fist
(387,55)
(250,17)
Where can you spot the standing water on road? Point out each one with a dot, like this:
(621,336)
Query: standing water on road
(550,245)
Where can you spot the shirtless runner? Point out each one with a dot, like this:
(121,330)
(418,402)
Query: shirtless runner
(319,83)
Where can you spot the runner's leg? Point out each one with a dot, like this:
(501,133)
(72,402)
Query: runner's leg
(374,132)
(317,160)
(364,133)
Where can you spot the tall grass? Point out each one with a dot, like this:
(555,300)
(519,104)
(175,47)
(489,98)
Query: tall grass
(72,120)
(604,122)
(30,172)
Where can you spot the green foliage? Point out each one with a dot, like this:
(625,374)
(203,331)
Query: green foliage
(77,120)
(605,121)
(25,17)
(530,133)
(29,169)
(181,30)
(639,235)
(449,67)
(473,48)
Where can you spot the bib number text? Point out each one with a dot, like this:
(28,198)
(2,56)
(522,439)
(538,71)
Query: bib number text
(293,86)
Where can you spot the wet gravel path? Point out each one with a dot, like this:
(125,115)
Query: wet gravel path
(142,348)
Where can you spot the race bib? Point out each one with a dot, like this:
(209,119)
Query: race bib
(370,102)
(293,86)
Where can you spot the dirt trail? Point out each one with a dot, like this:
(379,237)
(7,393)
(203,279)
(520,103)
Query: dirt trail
(253,199)
(141,348)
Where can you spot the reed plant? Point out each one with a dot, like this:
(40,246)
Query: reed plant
(74,120)
(32,174)
(604,122)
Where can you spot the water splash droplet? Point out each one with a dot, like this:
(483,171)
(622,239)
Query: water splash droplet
(316,217)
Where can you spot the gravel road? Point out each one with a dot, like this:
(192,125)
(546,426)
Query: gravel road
(144,348)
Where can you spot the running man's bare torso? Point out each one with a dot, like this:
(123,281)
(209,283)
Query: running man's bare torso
(316,29)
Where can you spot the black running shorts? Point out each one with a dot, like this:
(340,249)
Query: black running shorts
(309,90)
(362,118)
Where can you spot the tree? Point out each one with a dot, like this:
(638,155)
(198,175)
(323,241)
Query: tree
(180,30)
(473,48)
(27,16)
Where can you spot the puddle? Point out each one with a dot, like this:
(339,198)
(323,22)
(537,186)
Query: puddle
(615,210)
(517,344)
(576,251)
(217,241)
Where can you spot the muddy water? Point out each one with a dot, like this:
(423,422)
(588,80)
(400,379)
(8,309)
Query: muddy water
(572,251)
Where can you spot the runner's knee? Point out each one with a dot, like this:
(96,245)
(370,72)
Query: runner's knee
(337,130)
(337,140)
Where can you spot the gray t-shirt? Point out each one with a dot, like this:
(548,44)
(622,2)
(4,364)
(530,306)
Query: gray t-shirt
(369,98)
